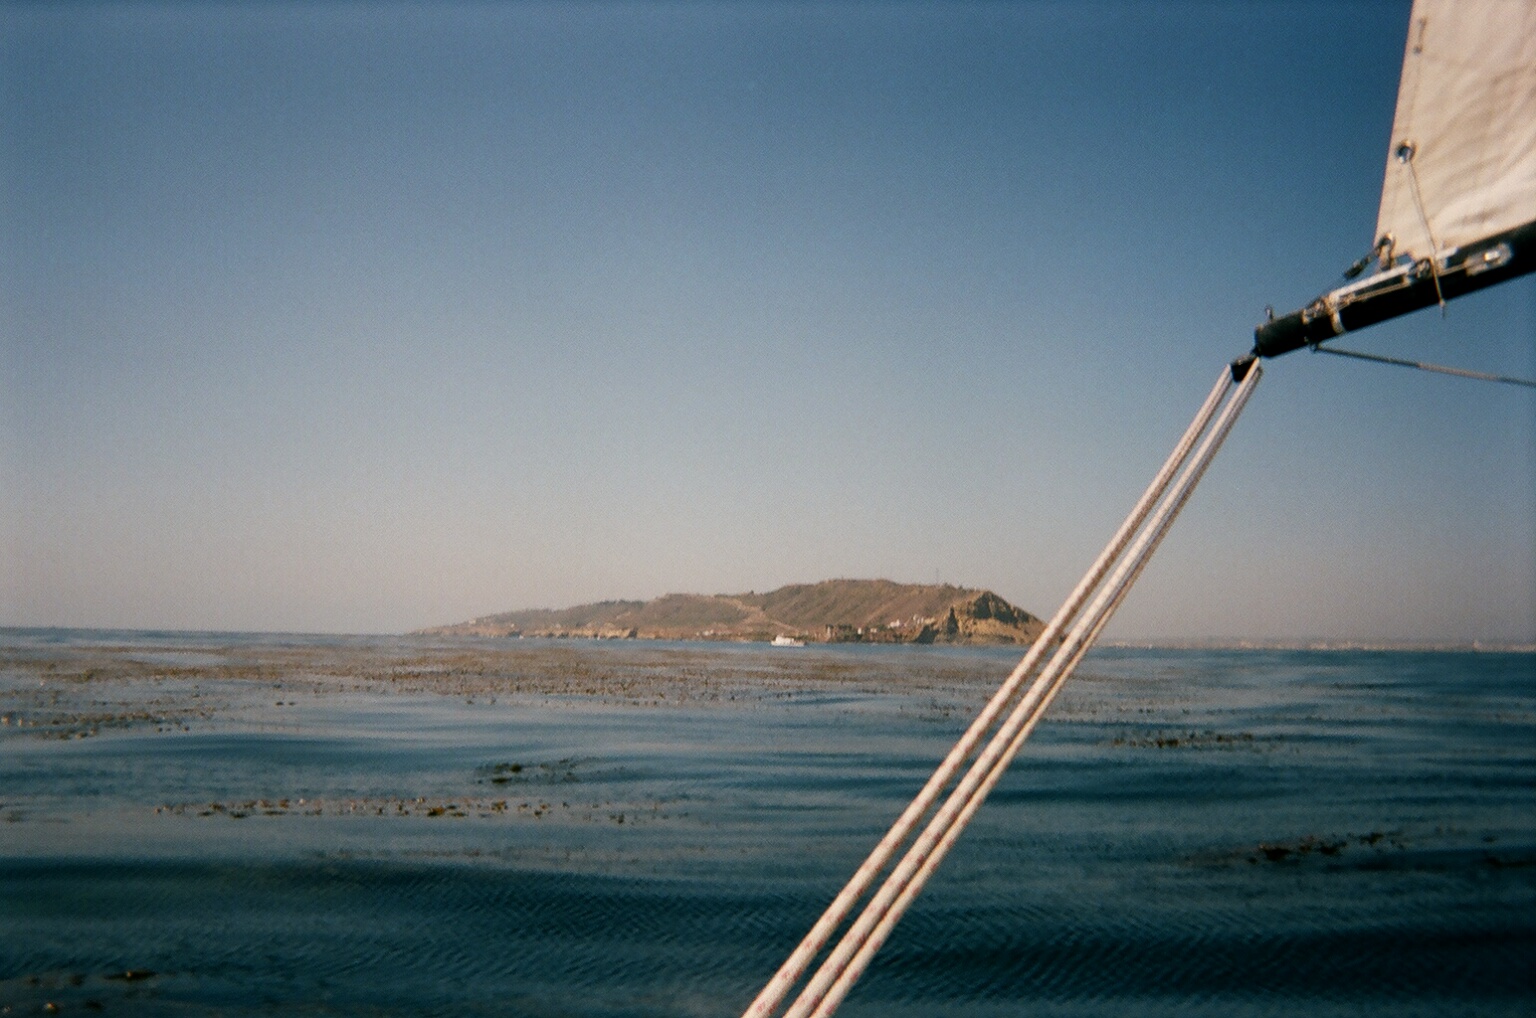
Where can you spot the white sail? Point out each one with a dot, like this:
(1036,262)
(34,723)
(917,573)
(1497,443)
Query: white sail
(1458,204)
(1462,161)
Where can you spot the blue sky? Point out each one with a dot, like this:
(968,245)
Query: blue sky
(353,317)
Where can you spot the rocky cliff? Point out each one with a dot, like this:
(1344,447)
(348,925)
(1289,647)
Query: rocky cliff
(833,611)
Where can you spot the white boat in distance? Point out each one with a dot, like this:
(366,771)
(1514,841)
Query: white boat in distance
(787,641)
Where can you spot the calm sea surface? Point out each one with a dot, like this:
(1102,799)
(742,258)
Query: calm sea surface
(207,824)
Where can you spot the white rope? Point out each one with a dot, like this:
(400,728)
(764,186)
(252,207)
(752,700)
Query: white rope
(794,966)
(831,982)
(924,856)
(945,828)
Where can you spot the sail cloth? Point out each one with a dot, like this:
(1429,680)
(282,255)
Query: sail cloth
(1458,202)
(1462,163)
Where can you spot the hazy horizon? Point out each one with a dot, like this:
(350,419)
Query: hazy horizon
(354,318)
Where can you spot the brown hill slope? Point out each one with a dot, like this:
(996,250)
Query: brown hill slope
(872,611)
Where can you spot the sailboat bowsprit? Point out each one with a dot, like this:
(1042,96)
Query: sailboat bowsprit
(1458,214)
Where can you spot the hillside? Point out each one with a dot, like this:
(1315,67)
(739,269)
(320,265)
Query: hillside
(833,611)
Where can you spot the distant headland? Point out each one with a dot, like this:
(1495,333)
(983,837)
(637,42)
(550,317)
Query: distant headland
(833,611)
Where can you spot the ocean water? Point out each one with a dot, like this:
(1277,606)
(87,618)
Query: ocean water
(207,824)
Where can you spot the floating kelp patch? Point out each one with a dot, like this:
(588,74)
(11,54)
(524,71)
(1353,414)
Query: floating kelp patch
(67,992)
(420,806)
(457,807)
(1306,846)
(1322,846)
(1443,851)
(1194,740)
(1390,851)
(84,724)
(560,772)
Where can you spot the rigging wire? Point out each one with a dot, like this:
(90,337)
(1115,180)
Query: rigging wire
(1405,153)
(1481,376)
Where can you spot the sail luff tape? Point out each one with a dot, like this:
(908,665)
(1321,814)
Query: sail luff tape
(794,966)
(829,986)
